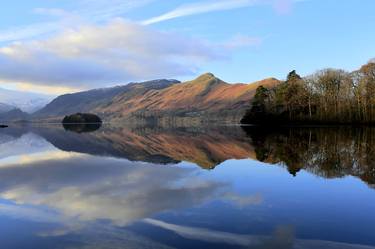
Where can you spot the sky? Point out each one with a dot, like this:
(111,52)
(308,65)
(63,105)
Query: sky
(60,46)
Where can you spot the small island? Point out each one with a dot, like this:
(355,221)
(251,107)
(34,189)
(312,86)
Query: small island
(82,118)
(82,122)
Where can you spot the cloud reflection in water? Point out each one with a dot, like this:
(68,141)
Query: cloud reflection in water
(91,188)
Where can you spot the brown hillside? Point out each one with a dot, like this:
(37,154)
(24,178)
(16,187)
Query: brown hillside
(206,97)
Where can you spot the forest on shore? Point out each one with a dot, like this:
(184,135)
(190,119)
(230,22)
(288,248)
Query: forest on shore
(329,96)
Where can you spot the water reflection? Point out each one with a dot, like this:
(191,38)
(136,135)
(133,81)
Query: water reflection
(82,127)
(104,193)
(283,238)
(119,187)
(326,152)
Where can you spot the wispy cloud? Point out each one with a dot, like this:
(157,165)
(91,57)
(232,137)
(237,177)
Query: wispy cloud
(281,6)
(200,8)
(283,238)
(27,31)
(101,10)
(207,235)
(80,11)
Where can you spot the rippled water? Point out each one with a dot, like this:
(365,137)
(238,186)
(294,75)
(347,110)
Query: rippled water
(223,187)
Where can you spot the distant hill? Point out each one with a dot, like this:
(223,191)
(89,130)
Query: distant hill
(6,108)
(89,101)
(14,115)
(206,98)
(25,101)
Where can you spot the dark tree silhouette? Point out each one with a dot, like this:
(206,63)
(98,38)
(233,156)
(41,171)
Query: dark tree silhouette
(327,97)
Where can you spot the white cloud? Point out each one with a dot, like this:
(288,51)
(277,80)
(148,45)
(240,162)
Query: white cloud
(120,51)
(84,46)
(92,56)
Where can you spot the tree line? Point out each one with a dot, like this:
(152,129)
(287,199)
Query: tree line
(327,96)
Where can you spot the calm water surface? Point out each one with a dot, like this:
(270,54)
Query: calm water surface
(119,187)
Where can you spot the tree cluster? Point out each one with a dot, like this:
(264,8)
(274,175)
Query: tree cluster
(81,118)
(328,96)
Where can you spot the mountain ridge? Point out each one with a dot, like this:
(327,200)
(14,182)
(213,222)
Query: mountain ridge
(28,102)
(205,99)
(86,101)
(6,108)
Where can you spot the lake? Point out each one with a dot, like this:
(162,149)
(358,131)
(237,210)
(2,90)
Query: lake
(199,187)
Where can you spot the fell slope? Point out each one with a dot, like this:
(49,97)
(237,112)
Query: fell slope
(205,98)
(6,108)
(89,101)
(14,115)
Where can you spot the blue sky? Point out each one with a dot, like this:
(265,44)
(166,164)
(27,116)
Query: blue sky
(61,46)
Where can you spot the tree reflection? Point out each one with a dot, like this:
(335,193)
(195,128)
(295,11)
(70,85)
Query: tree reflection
(328,152)
(82,127)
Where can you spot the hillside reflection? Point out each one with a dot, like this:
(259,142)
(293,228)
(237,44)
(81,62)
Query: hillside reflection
(326,152)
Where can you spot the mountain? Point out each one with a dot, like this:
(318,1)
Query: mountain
(89,101)
(6,108)
(14,115)
(25,101)
(206,99)
(11,113)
